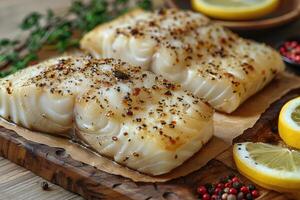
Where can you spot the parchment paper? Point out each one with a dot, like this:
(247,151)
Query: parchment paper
(77,152)
(227,127)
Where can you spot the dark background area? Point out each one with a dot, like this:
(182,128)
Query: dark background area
(272,36)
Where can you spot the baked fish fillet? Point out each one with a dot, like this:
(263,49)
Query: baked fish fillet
(185,47)
(132,116)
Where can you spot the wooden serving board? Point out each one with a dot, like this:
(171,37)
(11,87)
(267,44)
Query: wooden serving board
(56,166)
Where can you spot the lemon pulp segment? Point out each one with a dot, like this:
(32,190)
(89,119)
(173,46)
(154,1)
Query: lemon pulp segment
(296,115)
(270,166)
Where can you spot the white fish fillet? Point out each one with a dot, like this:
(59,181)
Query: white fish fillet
(186,47)
(132,116)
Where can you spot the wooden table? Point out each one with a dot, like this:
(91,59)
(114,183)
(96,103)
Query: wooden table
(18,183)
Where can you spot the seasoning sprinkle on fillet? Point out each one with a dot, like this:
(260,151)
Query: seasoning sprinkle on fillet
(132,116)
(185,47)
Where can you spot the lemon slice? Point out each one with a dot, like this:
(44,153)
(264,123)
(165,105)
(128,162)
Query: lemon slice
(273,167)
(289,123)
(235,9)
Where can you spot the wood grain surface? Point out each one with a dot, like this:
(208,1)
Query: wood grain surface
(55,165)
(17,183)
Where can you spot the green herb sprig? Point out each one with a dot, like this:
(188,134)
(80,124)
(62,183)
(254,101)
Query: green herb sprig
(58,32)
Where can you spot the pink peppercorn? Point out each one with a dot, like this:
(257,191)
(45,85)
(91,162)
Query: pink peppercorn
(206,197)
(228,185)
(244,189)
(255,193)
(202,190)
(235,179)
(232,191)
(228,188)
(291,50)
(218,190)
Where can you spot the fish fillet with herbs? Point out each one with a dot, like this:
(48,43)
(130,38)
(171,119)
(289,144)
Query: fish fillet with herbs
(132,116)
(207,59)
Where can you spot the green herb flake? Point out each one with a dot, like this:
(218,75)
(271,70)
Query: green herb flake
(30,21)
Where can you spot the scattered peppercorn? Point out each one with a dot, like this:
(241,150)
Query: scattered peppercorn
(202,190)
(255,193)
(236,185)
(251,187)
(249,196)
(240,196)
(245,189)
(228,188)
(232,191)
(206,197)
(235,179)
(291,50)
(228,185)
(45,185)
(231,197)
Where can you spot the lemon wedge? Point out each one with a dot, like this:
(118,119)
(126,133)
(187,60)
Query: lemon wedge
(272,167)
(235,9)
(289,123)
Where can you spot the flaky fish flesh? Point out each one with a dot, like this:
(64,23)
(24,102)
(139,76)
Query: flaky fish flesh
(135,117)
(185,47)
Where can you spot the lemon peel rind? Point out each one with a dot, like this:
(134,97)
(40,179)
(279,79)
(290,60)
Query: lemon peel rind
(288,130)
(262,178)
(235,13)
